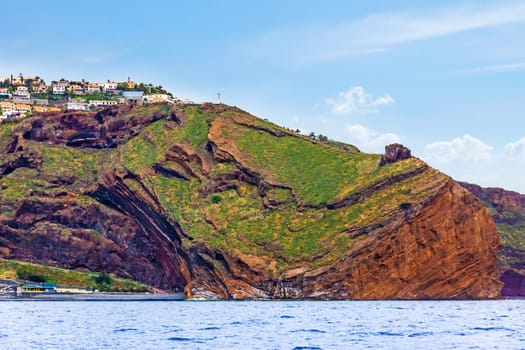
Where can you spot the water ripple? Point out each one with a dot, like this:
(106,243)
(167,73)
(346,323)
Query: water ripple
(264,325)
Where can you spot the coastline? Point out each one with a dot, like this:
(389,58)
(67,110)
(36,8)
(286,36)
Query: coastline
(96,297)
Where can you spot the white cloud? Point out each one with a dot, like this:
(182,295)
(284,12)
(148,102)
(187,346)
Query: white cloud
(356,100)
(465,148)
(369,140)
(378,32)
(516,149)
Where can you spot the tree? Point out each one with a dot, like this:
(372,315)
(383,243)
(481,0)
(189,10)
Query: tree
(28,83)
(103,280)
(312,135)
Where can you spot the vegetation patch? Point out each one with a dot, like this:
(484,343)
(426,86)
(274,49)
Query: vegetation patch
(318,173)
(512,235)
(12,269)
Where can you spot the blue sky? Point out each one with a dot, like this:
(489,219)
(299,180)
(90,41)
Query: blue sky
(445,78)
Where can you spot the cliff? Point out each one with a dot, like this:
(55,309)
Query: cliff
(508,211)
(210,200)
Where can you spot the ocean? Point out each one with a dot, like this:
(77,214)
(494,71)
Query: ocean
(263,325)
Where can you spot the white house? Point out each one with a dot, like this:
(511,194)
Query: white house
(110,86)
(60,87)
(101,103)
(21,92)
(77,106)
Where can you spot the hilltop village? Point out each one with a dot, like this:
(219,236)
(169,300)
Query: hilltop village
(20,96)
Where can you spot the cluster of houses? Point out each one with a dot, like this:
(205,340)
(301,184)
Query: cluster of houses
(21,96)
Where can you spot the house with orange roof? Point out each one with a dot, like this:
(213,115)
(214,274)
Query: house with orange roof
(45,109)
(11,110)
(156,98)
(93,87)
(7,108)
(23,108)
(76,89)
(40,88)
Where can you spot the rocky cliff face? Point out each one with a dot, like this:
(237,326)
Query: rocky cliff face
(508,211)
(213,201)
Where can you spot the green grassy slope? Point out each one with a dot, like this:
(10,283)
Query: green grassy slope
(296,229)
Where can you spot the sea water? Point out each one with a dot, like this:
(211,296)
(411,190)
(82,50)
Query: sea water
(263,325)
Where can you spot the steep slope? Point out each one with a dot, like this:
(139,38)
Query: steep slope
(213,201)
(508,211)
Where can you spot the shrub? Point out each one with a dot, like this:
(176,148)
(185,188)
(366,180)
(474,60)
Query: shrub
(405,205)
(25,273)
(103,279)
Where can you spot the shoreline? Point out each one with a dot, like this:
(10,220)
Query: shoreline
(96,297)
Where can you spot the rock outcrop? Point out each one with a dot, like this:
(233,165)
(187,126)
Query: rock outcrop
(213,201)
(394,153)
(508,211)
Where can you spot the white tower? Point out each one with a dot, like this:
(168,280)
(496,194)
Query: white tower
(219,98)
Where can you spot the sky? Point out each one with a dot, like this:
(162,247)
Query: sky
(444,78)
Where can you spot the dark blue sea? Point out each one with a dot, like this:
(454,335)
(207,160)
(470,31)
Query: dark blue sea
(263,325)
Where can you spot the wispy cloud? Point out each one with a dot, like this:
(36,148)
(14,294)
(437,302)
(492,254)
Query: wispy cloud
(379,32)
(516,149)
(496,68)
(356,100)
(465,148)
(368,139)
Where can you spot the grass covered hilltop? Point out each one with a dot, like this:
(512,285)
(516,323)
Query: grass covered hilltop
(213,201)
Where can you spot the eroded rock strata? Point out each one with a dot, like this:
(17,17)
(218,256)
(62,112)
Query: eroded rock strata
(213,201)
(508,211)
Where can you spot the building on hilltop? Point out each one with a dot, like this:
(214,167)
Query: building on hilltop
(157,98)
(110,87)
(60,87)
(133,97)
(93,88)
(12,110)
(102,103)
(4,93)
(40,88)
(76,89)
(21,94)
(8,109)
(23,108)
(130,84)
(76,106)
(45,109)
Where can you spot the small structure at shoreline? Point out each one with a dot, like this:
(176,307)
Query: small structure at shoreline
(31,288)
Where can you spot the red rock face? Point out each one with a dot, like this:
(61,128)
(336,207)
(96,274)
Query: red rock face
(444,246)
(508,212)
(443,249)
